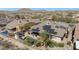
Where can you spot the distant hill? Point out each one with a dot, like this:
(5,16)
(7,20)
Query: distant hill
(24,10)
(41,14)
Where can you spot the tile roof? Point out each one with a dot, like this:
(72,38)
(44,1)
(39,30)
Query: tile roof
(59,31)
(15,23)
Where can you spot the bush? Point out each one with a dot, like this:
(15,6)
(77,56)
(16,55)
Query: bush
(29,41)
(38,44)
(60,44)
(51,45)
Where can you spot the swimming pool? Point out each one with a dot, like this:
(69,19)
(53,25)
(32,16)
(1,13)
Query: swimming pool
(5,33)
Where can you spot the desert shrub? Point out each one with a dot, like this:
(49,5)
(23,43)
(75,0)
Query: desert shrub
(69,43)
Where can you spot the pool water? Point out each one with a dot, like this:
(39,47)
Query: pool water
(5,33)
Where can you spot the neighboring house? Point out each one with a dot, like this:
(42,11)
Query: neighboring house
(20,22)
(15,26)
(15,23)
(76,37)
(76,34)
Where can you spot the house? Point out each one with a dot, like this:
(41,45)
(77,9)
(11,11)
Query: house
(50,27)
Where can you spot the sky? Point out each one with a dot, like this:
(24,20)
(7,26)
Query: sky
(12,9)
(55,8)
